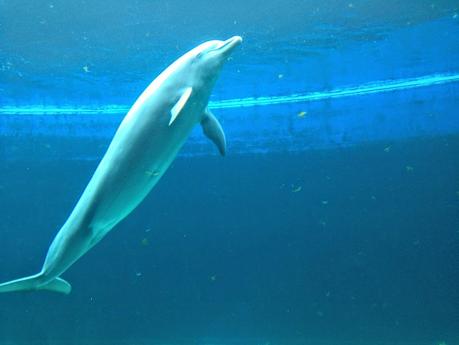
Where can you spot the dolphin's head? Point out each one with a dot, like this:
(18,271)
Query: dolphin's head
(207,59)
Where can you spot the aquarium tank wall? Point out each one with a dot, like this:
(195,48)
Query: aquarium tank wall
(332,219)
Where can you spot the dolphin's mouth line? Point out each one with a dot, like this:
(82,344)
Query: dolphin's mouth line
(229,44)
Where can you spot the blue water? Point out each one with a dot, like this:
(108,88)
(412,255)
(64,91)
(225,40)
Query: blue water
(333,220)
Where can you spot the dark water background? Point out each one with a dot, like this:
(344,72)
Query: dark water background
(339,227)
(366,252)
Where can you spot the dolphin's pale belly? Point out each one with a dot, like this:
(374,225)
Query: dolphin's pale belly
(131,168)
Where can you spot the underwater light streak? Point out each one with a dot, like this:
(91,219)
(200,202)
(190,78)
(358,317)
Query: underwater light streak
(364,89)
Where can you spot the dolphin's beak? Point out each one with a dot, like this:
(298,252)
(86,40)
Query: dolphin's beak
(228,45)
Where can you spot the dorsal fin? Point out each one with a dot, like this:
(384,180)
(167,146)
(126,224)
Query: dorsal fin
(177,108)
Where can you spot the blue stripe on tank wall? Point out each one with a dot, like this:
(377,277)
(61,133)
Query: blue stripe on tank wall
(350,91)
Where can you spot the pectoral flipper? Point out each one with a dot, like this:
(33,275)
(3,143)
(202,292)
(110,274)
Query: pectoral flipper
(214,131)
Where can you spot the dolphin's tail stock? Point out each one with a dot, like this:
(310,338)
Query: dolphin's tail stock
(34,282)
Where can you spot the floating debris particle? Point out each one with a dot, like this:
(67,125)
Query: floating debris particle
(138,274)
(387,148)
(213,277)
(147,229)
(302,113)
(324,202)
(296,189)
(373,197)
(409,168)
(86,68)
(280,76)
(151,172)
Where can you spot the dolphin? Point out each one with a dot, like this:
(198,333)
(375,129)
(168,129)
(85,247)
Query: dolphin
(145,144)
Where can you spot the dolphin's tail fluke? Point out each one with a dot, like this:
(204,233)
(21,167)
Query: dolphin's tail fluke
(34,282)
